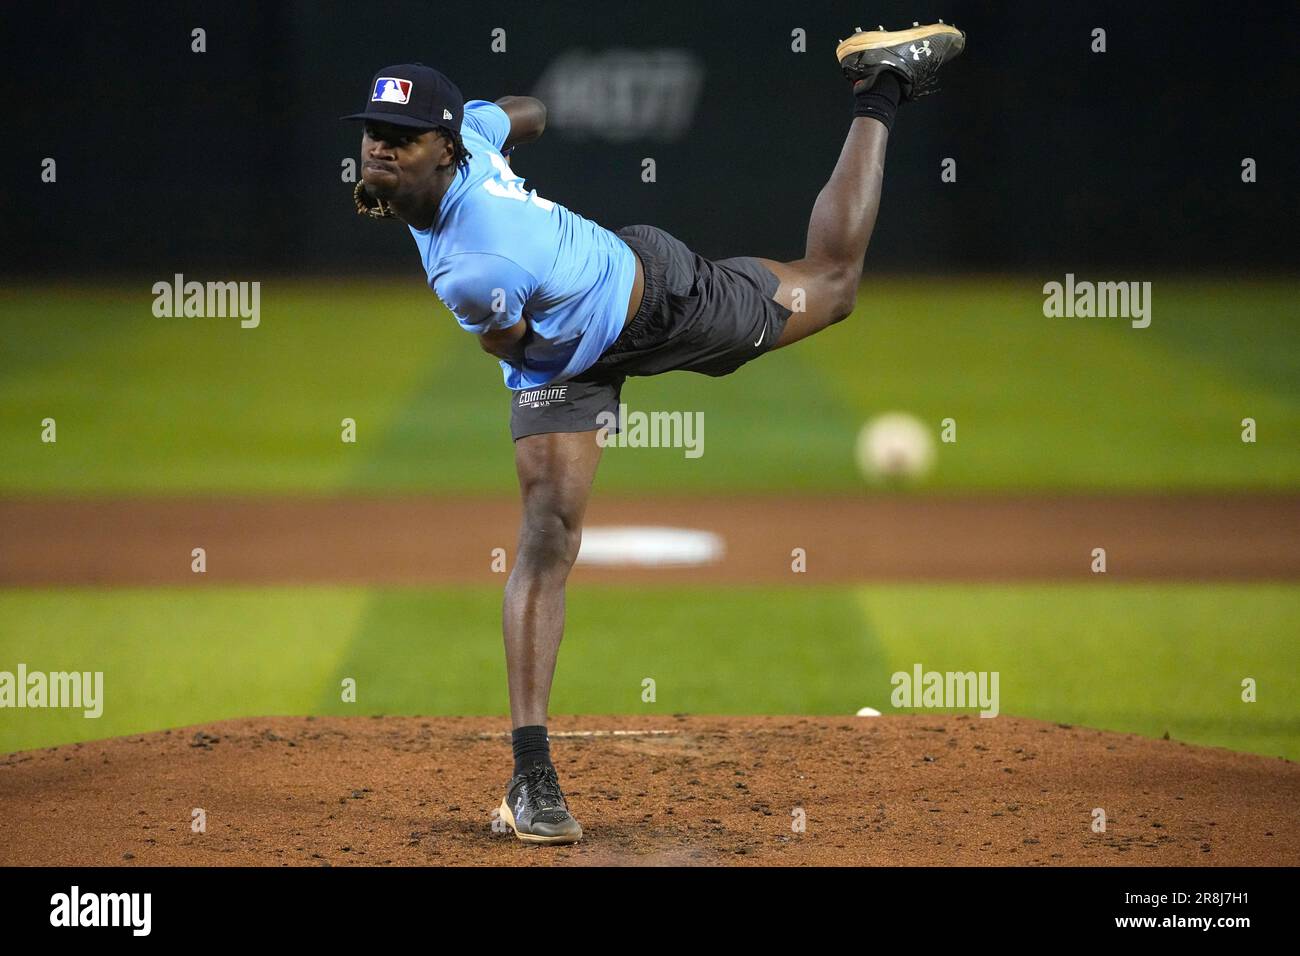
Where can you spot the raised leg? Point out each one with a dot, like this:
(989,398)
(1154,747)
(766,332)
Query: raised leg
(822,287)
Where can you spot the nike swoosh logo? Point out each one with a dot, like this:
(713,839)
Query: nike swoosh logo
(760,338)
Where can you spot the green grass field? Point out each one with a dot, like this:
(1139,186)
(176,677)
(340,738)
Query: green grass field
(1144,659)
(200,406)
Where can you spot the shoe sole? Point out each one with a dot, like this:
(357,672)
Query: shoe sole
(875,40)
(509,817)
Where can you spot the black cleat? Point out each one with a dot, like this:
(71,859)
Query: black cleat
(535,809)
(915,55)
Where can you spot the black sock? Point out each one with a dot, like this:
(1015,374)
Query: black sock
(531,746)
(880,100)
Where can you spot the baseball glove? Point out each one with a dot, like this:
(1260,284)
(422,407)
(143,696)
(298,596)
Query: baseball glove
(368,205)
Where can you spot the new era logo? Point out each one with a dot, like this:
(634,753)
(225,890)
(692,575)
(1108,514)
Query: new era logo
(446,113)
(391,89)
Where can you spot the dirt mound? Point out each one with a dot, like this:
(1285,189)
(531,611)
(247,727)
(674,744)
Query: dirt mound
(650,790)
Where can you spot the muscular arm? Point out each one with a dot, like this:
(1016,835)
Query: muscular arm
(506,344)
(527,119)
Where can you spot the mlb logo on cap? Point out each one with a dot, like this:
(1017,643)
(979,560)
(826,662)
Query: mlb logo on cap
(415,96)
(391,89)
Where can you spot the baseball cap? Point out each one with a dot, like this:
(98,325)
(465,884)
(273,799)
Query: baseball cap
(413,95)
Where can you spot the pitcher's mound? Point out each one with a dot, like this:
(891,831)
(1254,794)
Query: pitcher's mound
(650,790)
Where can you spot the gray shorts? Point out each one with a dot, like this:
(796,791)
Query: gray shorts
(696,315)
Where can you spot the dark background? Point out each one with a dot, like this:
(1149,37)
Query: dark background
(1068,160)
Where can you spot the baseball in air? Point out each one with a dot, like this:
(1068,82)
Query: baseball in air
(895,446)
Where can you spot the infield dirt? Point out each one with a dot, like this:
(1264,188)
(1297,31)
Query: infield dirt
(650,791)
(147,541)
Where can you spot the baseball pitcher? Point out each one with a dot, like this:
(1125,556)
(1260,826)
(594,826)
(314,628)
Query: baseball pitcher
(571,309)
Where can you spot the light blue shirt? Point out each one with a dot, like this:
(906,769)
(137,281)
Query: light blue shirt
(497,253)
